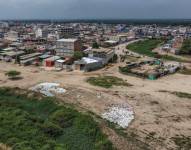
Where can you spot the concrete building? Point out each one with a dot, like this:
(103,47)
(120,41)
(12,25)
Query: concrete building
(88,64)
(38,33)
(11,36)
(66,47)
(105,54)
(67,32)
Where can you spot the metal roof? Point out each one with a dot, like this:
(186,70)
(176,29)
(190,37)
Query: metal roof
(66,40)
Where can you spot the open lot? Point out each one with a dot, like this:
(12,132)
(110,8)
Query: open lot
(160,117)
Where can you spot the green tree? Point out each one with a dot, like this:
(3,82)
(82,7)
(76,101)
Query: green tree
(95,45)
(78,55)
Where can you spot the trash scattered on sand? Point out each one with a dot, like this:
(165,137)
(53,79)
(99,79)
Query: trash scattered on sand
(119,114)
(48,89)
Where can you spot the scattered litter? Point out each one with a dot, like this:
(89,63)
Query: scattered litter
(48,89)
(119,114)
(99,95)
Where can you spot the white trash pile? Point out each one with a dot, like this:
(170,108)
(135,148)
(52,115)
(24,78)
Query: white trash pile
(48,89)
(119,114)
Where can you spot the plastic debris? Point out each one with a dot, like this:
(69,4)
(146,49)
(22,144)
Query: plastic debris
(119,114)
(48,89)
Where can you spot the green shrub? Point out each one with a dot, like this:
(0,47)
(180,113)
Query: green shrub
(186,47)
(63,117)
(13,74)
(30,123)
(145,47)
(78,55)
(51,129)
(107,81)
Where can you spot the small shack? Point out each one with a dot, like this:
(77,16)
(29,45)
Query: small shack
(29,58)
(59,63)
(10,55)
(88,64)
(50,62)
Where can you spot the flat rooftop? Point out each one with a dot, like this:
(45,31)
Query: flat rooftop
(66,40)
(102,50)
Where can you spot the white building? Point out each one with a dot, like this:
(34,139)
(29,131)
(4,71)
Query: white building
(11,36)
(38,33)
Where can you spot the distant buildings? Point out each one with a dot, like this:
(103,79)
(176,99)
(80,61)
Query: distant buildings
(43,43)
(11,36)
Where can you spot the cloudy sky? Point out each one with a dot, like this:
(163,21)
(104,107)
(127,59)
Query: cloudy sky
(93,9)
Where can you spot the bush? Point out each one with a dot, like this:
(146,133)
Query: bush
(95,45)
(51,129)
(186,47)
(63,118)
(107,81)
(33,124)
(13,74)
(78,55)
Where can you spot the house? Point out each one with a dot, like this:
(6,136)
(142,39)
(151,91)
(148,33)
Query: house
(50,62)
(43,57)
(88,64)
(66,47)
(109,43)
(60,63)
(11,36)
(38,33)
(29,58)
(104,53)
(10,55)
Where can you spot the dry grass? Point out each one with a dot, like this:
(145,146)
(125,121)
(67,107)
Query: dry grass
(179,94)
(4,147)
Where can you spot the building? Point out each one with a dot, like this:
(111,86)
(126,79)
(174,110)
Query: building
(88,64)
(10,55)
(66,47)
(67,32)
(38,33)
(50,62)
(105,54)
(11,36)
(29,58)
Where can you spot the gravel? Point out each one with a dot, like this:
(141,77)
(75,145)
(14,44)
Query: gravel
(48,89)
(119,114)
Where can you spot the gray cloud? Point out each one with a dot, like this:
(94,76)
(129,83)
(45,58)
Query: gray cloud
(80,9)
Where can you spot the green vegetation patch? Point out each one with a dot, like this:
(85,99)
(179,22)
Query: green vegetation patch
(179,94)
(31,123)
(145,47)
(13,74)
(172,58)
(107,81)
(78,55)
(186,47)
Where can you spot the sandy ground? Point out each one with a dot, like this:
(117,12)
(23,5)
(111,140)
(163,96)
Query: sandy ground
(162,114)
